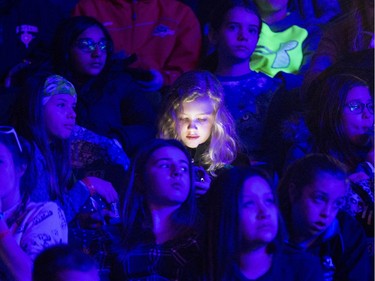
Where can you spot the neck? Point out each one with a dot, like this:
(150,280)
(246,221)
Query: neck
(255,263)
(303,239)
(161,221)
(232,68)
(274,16)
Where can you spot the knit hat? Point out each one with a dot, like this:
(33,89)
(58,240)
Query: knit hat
(57,85)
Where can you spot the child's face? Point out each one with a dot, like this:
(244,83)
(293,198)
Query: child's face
(60,116)
(258,212)
(9,174)
(357,124)
(167,177)
(238,35)
(195,122)
(86,62)
(318,205)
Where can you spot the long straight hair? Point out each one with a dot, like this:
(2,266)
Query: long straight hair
(30,120)
(224,239)
(324,116)
(136,219)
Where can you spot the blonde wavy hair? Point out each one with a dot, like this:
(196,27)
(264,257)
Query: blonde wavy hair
(224,143)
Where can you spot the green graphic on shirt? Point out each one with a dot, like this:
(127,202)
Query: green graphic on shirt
(279,51)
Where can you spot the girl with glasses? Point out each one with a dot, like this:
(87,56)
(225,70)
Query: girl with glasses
(26,227)
(109,102)
(340,123)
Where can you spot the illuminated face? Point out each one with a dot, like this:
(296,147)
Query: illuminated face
(60,116)
(89,53)
(258,213)
(318,205)
(9,177)
(356,125)
(238,35)
(167,177)
(195,122)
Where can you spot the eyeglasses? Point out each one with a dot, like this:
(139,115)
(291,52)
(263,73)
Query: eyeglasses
(88,45)
(357,107)
(11,130)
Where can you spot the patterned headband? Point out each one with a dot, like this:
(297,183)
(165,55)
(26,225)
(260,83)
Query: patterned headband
(57,85)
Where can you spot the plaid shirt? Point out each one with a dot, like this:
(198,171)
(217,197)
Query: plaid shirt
(173,260)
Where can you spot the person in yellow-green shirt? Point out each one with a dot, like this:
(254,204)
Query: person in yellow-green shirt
(286,43)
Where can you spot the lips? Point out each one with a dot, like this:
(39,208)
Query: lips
(192,137)
(242,48)
(69,126)
(319,226)
(96,65)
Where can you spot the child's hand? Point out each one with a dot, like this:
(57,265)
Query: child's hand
(202,181)
(105,189)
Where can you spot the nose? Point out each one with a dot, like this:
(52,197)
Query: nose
(192,125)
(72,114)
(367,113)
(242,35)
(263,211)
(97,52)
(327,210)
(176,172)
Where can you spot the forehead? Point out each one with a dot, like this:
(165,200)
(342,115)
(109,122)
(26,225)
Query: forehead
(201,105)
(358,93)
(62,97)
(168,152)
(93,32)
(255,185)
(242,15)
(332,185)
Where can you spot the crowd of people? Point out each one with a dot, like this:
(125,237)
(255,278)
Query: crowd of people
(187,140)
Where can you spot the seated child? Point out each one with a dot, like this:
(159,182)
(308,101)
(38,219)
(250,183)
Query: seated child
(195,114)
(286,43)
(311,193)
(245,232)
(234,32)
(26,227)
(160,218)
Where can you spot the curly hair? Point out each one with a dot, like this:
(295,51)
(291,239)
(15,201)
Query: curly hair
(190,86)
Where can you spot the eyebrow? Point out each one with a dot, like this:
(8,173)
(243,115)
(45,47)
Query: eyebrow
(62,99)
(199,114)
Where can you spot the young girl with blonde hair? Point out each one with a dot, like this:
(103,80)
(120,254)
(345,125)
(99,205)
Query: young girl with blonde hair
(195,114)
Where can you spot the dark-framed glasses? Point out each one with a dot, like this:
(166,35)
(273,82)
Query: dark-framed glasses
(357,107)
(10,130)
(88,45)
